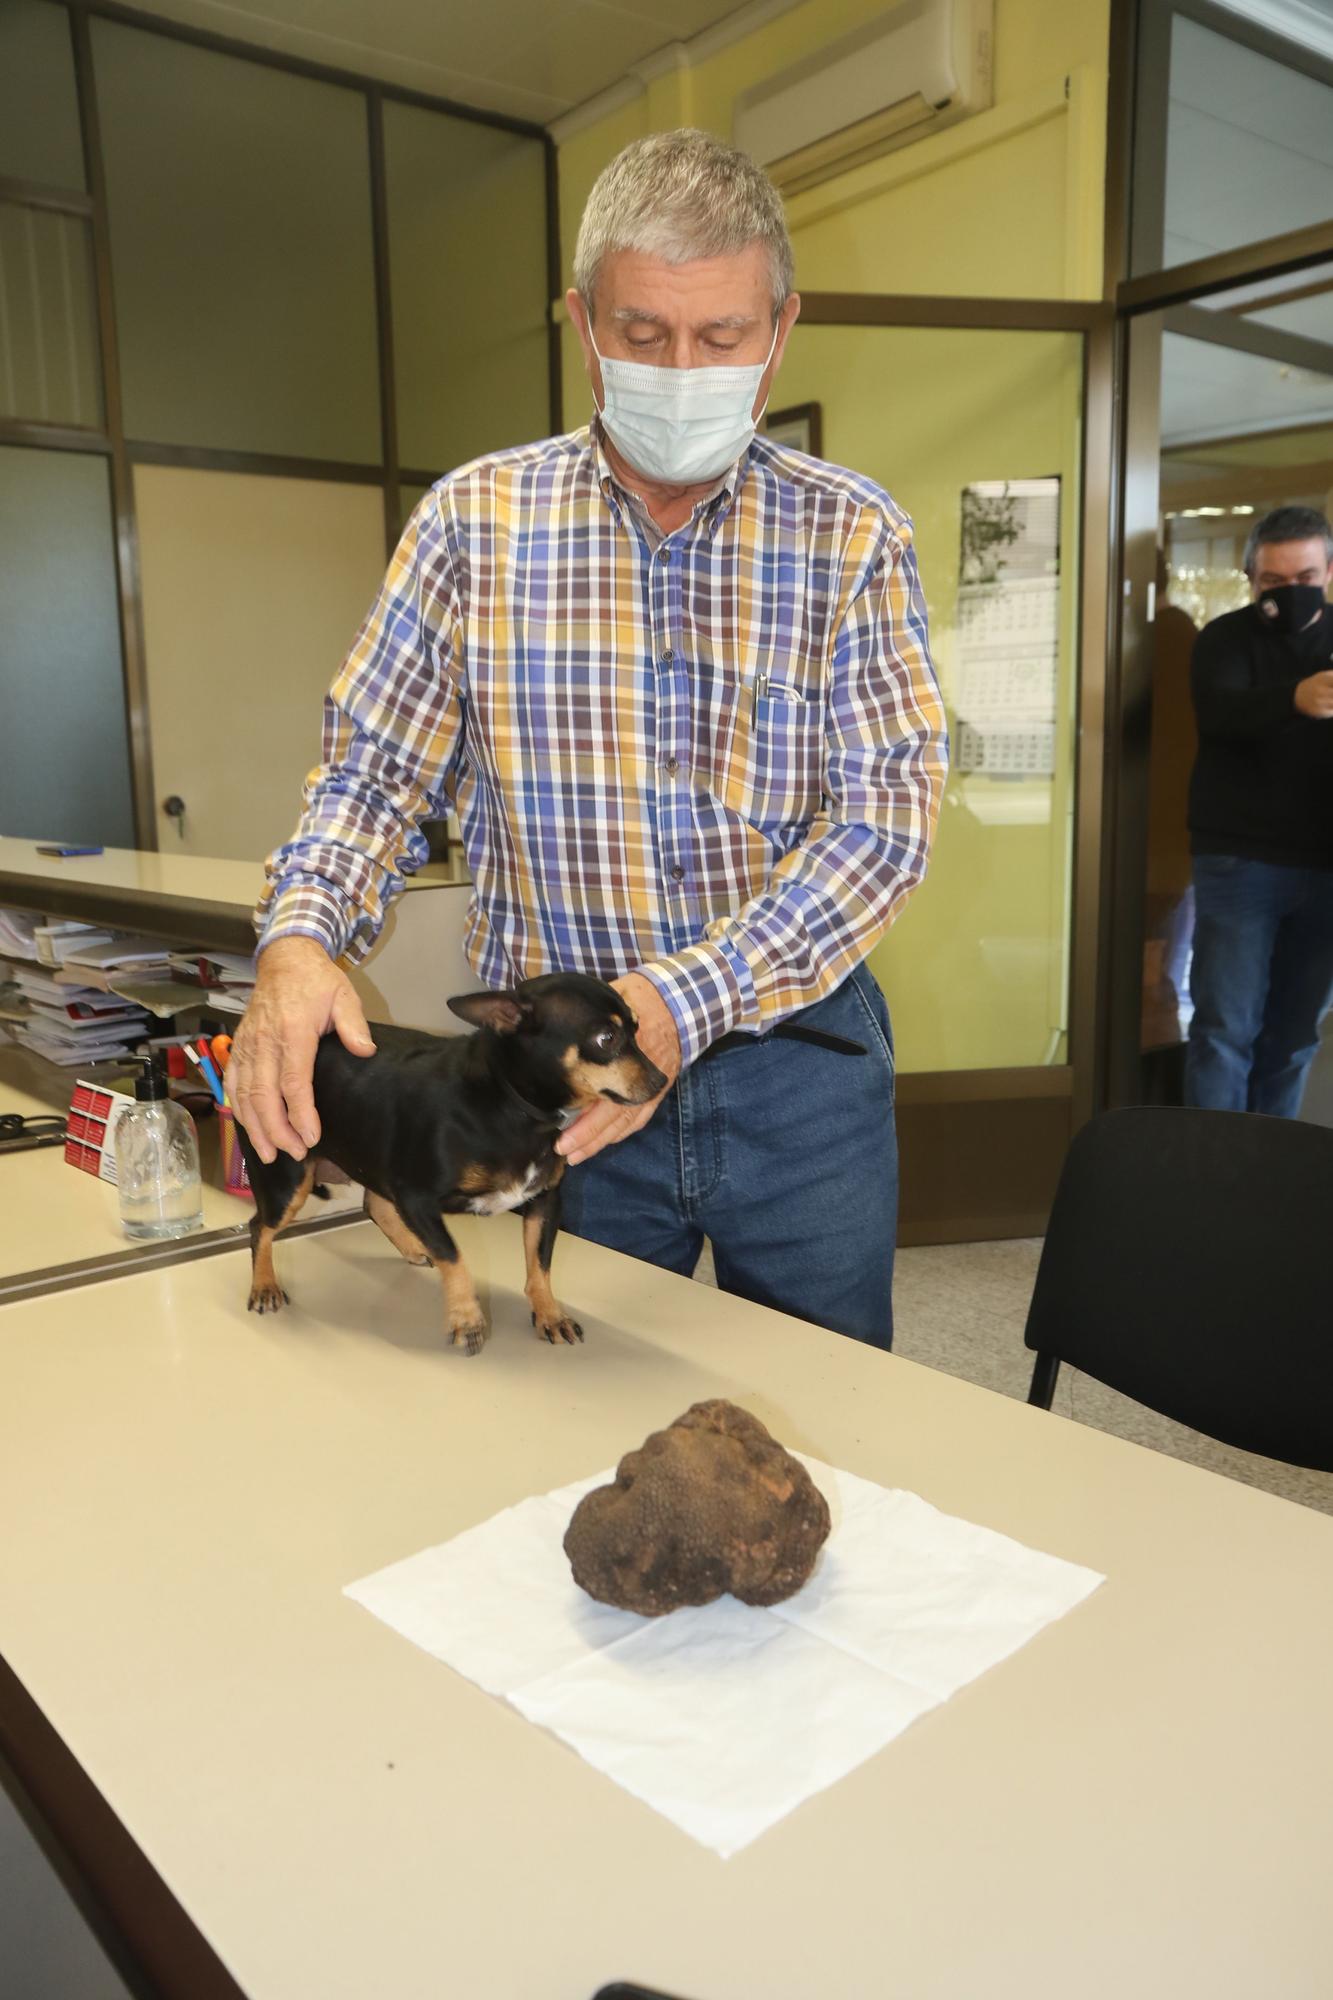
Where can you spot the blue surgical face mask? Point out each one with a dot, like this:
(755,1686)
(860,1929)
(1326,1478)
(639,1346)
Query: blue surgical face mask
(679,425)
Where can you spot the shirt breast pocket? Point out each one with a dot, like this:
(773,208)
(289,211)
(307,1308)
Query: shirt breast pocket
(768,759)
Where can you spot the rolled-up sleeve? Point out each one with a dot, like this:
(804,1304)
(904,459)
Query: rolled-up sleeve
(392,725)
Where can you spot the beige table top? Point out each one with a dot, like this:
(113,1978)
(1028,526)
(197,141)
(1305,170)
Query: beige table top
(1141,1801)
(53,1217)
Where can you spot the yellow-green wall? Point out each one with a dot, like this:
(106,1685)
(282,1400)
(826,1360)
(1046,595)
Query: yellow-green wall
(1007,204)
(974,967)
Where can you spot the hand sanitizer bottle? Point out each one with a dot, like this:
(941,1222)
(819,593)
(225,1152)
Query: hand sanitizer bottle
(157,1163)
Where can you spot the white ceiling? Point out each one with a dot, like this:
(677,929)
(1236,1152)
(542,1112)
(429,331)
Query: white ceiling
(533,59)
(1249,146)
(1215,392)
(1249,155)
(1307,22)
(1311,316)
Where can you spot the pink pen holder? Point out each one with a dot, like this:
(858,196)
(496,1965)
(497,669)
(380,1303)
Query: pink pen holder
(235,1178)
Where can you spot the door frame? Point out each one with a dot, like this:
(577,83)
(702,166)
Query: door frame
(1135,193)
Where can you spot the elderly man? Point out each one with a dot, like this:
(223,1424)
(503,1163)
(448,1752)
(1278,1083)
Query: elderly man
(1261,826)
(675,680)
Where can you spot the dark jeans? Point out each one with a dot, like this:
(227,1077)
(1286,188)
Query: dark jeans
(1261,982)
(784,1155)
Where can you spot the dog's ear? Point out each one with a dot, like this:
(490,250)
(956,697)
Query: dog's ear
(502,1011)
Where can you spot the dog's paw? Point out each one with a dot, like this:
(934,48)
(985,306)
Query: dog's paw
(422,1263)
(268,1299)
(557,1328)
(469,1334)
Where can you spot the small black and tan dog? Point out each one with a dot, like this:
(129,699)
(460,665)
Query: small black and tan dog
(435,1125)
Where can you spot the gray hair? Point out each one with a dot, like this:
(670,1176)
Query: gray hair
(1288,524)
(678,196)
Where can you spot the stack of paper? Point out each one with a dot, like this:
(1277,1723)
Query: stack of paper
(13,1001)
(17,933)
(116,952)
(54,940)
(72,1024)
(228,975)
(137,969)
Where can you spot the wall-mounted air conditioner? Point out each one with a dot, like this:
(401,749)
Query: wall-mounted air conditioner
(922,65)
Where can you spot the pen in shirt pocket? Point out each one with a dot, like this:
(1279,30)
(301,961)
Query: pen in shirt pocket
(764,688)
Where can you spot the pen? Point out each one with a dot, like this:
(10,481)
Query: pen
(206,1071)
(758,693)
(210,1069)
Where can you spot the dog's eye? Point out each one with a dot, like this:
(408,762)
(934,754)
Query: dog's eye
(605,1041)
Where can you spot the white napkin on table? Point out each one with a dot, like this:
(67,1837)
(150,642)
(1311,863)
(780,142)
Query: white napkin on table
(723,1717)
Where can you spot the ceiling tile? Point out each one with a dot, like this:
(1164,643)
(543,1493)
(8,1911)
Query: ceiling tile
(568,55)
(677,20)
(1311,317)
(1212,391)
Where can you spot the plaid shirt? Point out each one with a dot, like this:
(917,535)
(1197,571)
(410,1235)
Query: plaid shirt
(714,757)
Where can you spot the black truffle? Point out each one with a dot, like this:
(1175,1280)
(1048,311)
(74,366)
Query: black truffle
(711,1504)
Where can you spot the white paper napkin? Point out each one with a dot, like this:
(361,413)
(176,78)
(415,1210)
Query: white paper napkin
(724,1717)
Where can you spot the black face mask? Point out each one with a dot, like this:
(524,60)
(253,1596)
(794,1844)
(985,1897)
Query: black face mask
(1291,607)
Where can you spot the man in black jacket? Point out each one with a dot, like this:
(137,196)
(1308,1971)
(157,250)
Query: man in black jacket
(1261,826)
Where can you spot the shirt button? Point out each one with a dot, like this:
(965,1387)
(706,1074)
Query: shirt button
(664,555)
(672,765)
(667,657)
(678,873)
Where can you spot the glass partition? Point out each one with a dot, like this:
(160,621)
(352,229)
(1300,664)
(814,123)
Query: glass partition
(238,200)
(467,249)
(977,434)
(1246,425)
(64,772)
(49,371)
(1236,140)
(409,499)
(39,107)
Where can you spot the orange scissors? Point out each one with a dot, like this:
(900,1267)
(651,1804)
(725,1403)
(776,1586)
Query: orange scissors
(221,1050)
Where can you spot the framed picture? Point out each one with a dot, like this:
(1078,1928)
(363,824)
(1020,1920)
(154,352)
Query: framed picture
(801,426)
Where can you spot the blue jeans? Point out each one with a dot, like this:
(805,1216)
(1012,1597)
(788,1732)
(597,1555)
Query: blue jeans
(784,1155)
(1261,982)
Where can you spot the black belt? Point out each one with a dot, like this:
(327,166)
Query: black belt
(788,1031)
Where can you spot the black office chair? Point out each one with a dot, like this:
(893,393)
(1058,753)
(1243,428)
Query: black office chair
(1189,1264)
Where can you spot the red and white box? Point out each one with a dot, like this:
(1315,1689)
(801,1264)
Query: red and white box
(90,1136)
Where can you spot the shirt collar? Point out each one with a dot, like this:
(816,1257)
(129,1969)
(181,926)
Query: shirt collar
(716,504)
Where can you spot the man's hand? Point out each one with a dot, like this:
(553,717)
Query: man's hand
(607,1124)
(1314,696)
(299,995)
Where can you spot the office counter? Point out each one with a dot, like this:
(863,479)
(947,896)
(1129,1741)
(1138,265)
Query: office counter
(277,1796)
(165,894)
(417,961)
(59,1226)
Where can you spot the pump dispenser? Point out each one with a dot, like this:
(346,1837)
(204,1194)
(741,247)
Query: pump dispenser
(157,1162)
